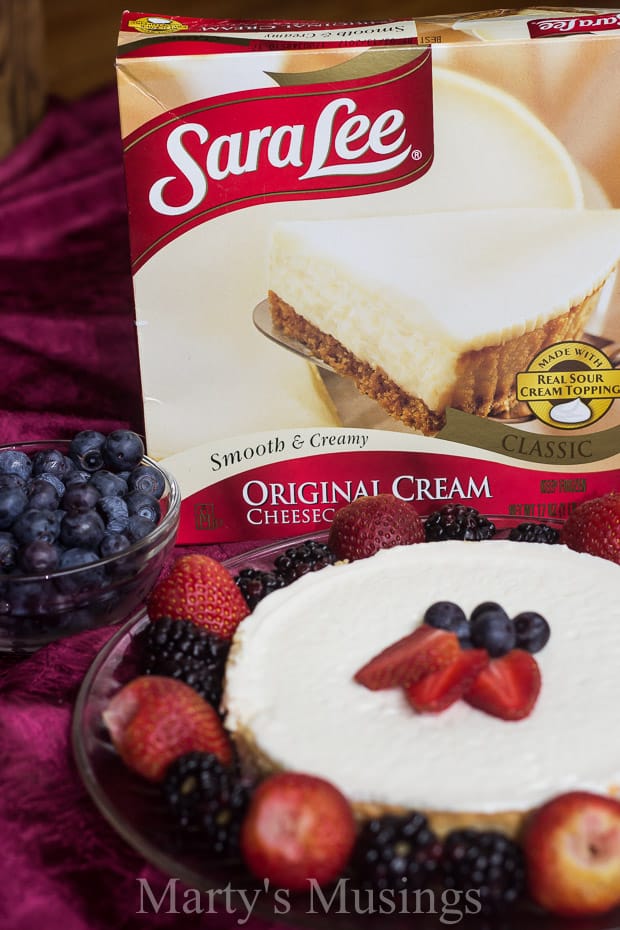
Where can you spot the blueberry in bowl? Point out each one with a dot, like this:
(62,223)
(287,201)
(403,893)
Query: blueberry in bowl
(85,527)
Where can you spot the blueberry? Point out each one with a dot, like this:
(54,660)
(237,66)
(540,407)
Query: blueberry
(493,630)
(115,514)
(13,462)
(55,482)
(76,478)
(144,505)
(8,551)
(82,530)
(80,497)
(139,527)
(39,557)
(42,495)
(446,615)
(484,606)
(79,558)
(11,480)
(107,483)
(27,596)
(147,479)
(85,450)
(113,544)
(13,502)
(123,449)
(51,461)
(37,524)
(533,631)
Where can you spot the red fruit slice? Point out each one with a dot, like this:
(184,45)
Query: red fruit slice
(153,720)
(425,650)
(298,828)
(439,690)
(508,687)
(572,849)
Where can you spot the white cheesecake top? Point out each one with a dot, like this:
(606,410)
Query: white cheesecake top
(290,679)
(468,279)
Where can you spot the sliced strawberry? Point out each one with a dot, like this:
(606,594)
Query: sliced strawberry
(439,690)
(508,687)
(424,651)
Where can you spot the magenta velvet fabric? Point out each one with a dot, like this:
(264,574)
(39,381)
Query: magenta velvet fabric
(68,359)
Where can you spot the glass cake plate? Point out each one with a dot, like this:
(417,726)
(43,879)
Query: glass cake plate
(135,811)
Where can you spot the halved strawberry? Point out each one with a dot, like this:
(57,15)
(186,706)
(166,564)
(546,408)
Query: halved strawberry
(508,687)
(152,720)
(439,690)
(425,650)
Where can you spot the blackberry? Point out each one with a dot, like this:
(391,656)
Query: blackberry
(487,862)
(255,584)
(182,650)
(535,533)
(207,801)
(456,521)
(309,556)
(396,852)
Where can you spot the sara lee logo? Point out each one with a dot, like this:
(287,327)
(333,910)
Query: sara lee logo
(575,24)
(278,143)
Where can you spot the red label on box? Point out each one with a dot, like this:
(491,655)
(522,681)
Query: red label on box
(544,28)
(279,143)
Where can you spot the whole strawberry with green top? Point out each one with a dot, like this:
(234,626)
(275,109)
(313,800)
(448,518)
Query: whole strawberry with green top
(594,527)
(364,526)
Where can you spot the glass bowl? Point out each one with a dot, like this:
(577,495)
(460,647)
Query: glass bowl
(37,609)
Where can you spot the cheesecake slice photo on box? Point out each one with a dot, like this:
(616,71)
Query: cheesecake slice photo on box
(438,310)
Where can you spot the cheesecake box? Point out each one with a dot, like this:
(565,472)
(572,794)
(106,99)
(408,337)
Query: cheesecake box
(375,257)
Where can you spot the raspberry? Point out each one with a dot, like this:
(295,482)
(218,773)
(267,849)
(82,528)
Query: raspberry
(208,802)
(456,521)
(486,862)
(180,649)
(396,852)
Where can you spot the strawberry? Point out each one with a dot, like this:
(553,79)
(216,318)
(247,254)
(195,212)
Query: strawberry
(439,690)
(425,650)
(364,526)
(594,527)
(153,720)
(202,590)
(572,850)
(508,687)
(298,828)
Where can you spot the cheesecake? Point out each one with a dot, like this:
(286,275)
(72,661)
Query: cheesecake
(292,702)
(434,310)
